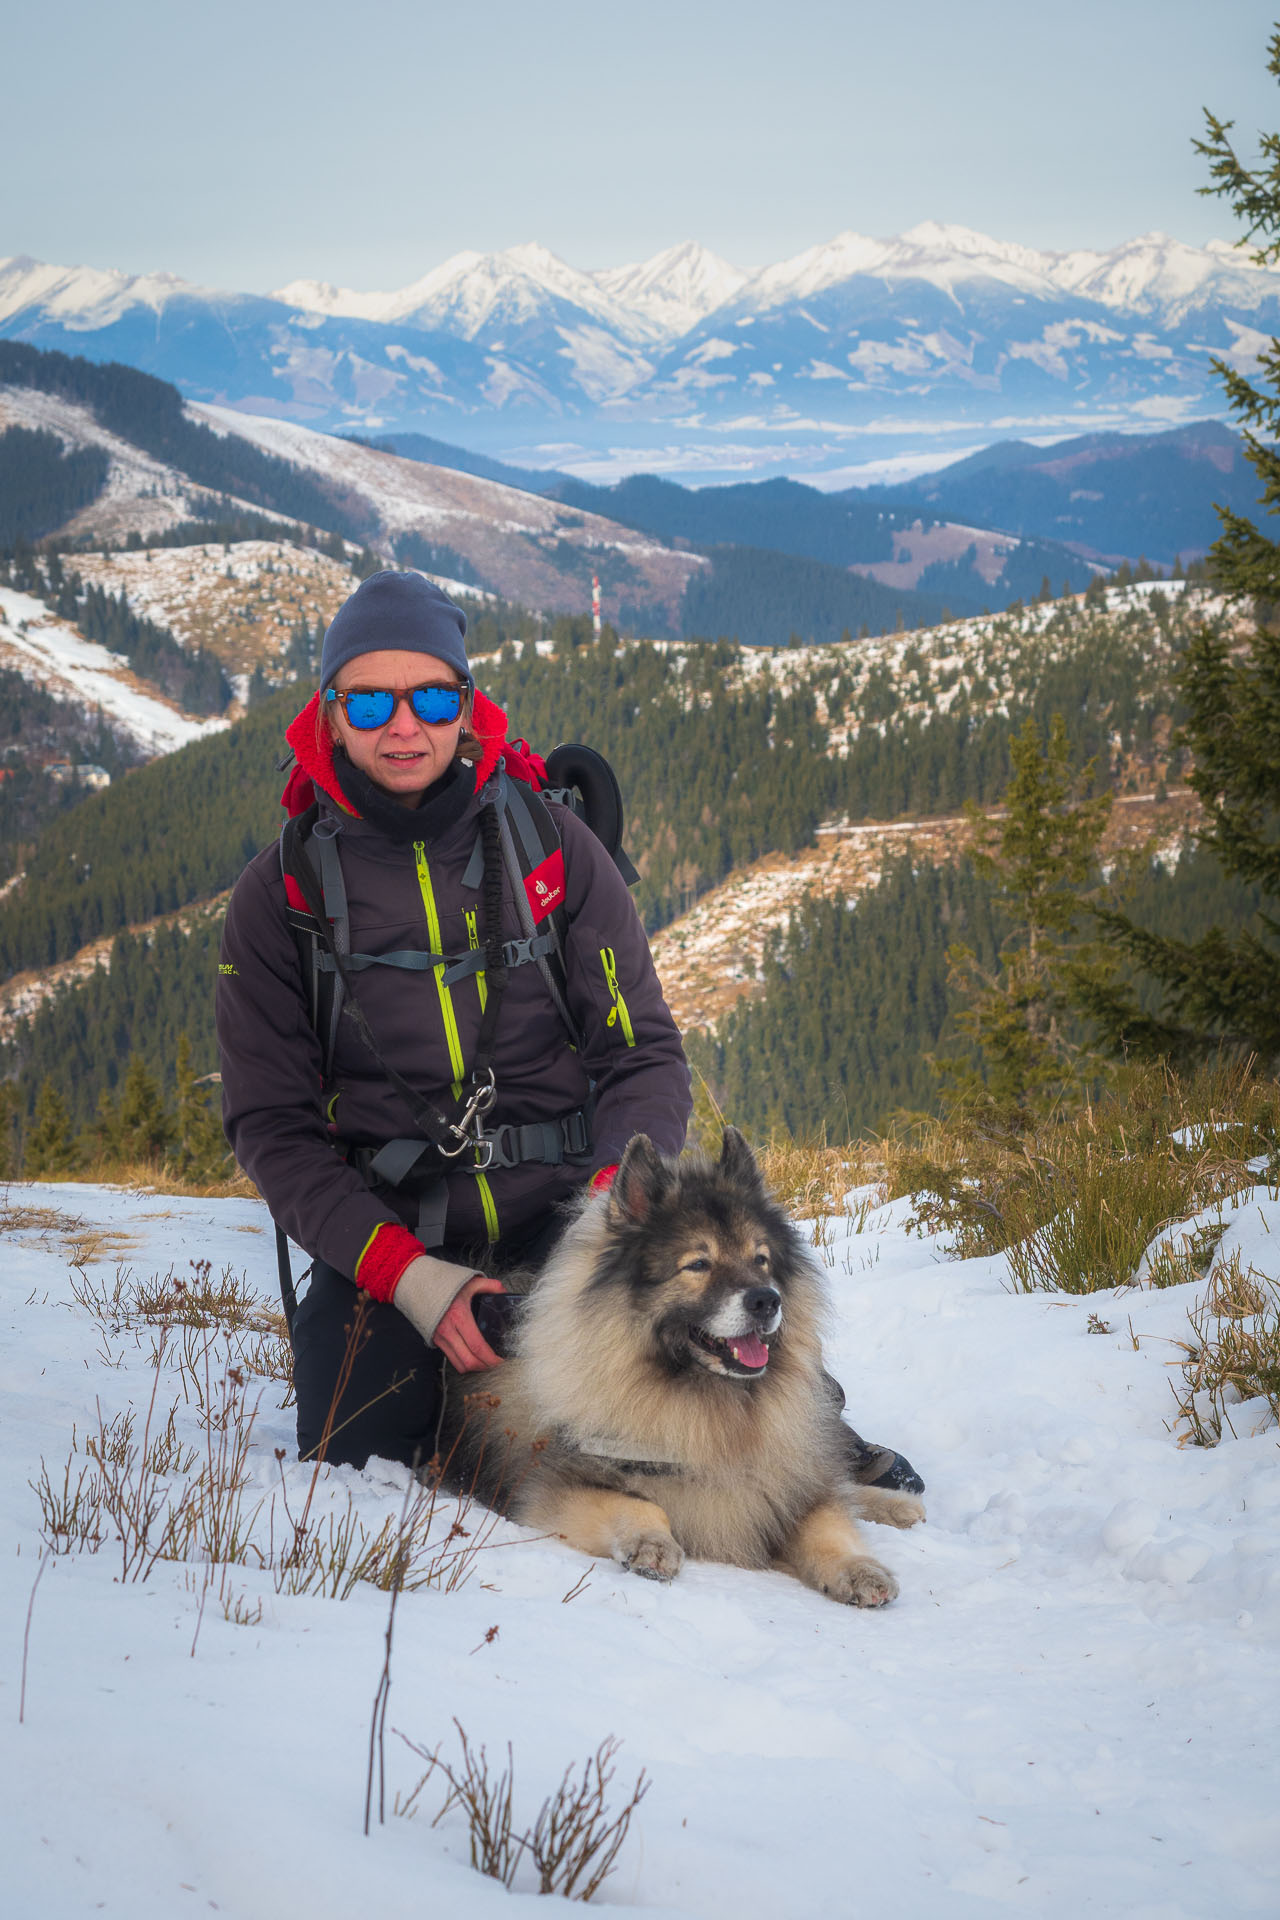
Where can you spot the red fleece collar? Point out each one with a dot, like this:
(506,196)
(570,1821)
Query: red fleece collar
(312,746)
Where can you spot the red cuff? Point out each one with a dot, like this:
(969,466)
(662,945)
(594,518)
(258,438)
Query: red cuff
(387,1252)
(602,1179)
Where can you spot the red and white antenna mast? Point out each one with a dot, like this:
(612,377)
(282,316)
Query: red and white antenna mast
(595,604)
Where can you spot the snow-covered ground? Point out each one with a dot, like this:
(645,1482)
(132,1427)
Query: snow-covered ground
(1071,1709)
(54,656)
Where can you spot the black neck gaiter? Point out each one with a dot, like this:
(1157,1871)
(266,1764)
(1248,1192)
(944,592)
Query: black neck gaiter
(442,805)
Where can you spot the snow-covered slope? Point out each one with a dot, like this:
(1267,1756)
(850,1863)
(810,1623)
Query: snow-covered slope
(521,545)
(652,300)
(242,603)
(141,495)
(470,291)
(492,537)
(675,289)
(1069,1710)
(85,299)
(72,668)
(1152,274)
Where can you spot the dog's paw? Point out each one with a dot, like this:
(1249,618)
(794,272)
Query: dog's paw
(886,1508)
(861,1583)
(900,1510)
(654,1556)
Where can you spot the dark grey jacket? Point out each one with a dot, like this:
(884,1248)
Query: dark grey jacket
(274,1113)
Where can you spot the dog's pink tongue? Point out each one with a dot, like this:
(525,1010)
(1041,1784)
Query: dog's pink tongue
(749,1351)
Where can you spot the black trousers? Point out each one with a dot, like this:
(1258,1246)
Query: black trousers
(361,1360)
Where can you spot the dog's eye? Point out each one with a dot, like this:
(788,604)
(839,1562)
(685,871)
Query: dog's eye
(699,1265)
(762,1259)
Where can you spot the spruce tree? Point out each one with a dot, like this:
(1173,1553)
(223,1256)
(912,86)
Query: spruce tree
(9,1141)
(50,1148)
(1222,989)
(145,1128)
(1040,856)
(201,1149)
(101,1138)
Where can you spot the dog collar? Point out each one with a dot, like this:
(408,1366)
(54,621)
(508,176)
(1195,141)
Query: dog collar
(615,1453)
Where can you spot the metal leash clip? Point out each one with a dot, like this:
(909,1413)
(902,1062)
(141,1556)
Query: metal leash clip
(467,1129)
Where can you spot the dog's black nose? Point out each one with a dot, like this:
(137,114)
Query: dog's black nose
(762,1303)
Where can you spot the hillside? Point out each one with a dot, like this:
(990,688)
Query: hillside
(157,470)
(713,956)
(775,748)
(80,673)
(897,546)
(243,602)
(853,996)
(1107,496)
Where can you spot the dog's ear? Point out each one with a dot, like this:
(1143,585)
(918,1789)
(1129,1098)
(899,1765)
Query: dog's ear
(738,1163)
(642,1178)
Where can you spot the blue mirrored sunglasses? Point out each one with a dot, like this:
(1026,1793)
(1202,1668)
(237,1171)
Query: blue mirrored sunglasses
(368,708)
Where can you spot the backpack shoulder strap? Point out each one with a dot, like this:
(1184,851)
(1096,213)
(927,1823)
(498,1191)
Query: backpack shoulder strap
(312,897)
(534,856)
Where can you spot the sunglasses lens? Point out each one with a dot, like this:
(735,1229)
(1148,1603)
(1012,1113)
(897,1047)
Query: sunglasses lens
(365,711)
(436,705)
(371,708)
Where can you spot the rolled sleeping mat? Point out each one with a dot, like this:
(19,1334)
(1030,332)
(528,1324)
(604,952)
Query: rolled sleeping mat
(595,796)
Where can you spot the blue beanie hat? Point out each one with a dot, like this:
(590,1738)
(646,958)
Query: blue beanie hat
(399,613)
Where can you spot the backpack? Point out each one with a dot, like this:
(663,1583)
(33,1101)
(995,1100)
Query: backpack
(532,856)
(574,775)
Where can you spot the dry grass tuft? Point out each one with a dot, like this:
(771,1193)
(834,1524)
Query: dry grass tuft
(811,1182)
(1076,1201)
(1231,1372)
(140,1484)
(25,1219)
(93,1246)
(159,1177)
(199,1300)
(573,1844)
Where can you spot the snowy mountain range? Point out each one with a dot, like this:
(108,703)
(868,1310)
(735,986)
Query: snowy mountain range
(853,350)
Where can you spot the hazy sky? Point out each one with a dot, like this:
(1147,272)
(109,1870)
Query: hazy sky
(247,144)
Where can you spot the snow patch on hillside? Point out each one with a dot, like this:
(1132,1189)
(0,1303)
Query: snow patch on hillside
(509,536)
(141,493)
(241,602)
(72,668)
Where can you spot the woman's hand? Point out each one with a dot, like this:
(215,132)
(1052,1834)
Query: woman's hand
(457,1335)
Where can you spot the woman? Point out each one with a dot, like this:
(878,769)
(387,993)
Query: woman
(413,1190)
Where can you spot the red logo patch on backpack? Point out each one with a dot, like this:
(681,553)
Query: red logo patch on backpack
(545,886)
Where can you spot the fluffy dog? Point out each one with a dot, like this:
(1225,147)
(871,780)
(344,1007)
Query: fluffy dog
(665,1393)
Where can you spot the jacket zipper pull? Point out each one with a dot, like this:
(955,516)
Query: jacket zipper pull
(618,1011)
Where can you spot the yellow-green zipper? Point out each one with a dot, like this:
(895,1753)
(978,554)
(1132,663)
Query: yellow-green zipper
(473,940)
(618,1011)
(451,1033)
(447,1011)
(490,1208)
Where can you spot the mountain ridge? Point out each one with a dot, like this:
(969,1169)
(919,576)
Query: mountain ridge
(857,345)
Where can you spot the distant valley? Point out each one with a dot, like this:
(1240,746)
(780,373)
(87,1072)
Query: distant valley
(758,563)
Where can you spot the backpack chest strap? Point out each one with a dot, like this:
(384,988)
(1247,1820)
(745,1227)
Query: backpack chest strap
(515,953)
(545,1143)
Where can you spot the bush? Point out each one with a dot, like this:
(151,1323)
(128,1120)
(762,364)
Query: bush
(1076,1201)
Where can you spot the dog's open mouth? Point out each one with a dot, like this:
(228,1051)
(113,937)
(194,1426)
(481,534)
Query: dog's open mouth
(745,1353)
